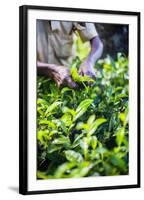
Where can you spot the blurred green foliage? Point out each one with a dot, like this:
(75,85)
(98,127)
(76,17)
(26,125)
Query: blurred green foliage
(84,131)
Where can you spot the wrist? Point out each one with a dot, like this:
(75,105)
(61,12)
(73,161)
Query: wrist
(89,63)
(42,68)
(96,50)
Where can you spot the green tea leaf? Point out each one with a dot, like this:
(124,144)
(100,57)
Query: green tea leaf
(120,136)
(65,167)
(82,108)
(96,124)
(84,146)
(52,107)
(118,162)
(91,120)
(73,156)
(94,142)
(61,140)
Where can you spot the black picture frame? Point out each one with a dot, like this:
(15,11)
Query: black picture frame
(23,98)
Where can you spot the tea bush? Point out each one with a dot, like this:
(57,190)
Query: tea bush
(83,132)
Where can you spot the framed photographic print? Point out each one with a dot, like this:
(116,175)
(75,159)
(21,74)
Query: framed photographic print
(79,99)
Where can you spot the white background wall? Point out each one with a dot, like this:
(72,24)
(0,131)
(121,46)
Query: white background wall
(9,98)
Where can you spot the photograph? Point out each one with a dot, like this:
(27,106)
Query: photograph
(79,92)
(82,99)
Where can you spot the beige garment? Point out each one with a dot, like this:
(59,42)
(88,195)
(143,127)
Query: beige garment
(55,40)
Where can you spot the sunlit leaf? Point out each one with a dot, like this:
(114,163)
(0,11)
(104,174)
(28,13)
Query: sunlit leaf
(120,136)
(52,107)
(73,156)
(67,119)
(61,140)
(91,120)
(65,167)
(42,175)
(82,108)
(96,124)
(94,142)
(84,146)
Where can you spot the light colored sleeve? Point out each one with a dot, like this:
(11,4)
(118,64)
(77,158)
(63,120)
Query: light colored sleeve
(86,31)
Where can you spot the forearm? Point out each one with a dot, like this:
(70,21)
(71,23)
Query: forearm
(43,68)
(96,50)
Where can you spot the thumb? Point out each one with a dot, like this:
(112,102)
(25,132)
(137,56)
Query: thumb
(71,83)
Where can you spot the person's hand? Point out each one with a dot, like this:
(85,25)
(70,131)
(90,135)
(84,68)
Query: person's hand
(60,74)
(87,68)
(62,77)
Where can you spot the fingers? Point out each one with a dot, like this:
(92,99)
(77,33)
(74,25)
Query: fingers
(70,82)
(67,81)
(81,73)
(89,73)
